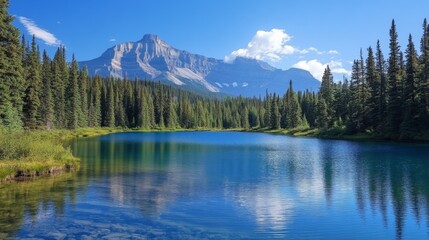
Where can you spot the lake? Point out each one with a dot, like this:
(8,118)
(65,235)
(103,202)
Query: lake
(225,185)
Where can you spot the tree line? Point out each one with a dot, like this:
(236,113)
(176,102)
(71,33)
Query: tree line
(387,98)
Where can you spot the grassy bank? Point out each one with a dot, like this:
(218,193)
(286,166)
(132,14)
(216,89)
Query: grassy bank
(26,154)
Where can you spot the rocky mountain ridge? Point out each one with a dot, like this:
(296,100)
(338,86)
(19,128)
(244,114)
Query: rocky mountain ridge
(152,58)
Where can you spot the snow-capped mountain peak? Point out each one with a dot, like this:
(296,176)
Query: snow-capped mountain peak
(152,58)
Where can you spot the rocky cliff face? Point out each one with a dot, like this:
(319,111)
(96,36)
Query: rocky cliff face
(153,59)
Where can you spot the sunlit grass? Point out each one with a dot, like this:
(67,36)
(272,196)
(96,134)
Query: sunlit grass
(32,154)
(37,152)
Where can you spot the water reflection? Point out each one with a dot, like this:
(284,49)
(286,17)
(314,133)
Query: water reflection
(30,201)
(396,176)
(228,185)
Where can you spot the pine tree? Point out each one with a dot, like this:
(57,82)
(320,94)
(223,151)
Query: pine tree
(275,114)
(150,109)
(356,111)
(47,100)
(380,69)
(32,114)
(73,102)
(168,111)
(253,118)
(410,93)
(94,111)
(110,105)
(326,88)
(423,86)
(342,100)
(59,83)
(327,93)
(372,90)
(322,117)
(293,109)
(119,108)
(144,110)
(267,106)
(12,83)
(129,103)
(83,83)
(245,117)
(218,114)
(394,106)
(159,104)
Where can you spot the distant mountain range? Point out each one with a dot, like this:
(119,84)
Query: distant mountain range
(153,59)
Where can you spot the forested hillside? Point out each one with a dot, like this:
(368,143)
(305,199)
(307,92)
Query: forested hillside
(386,97)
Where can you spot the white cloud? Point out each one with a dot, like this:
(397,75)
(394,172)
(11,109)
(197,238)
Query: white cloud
(39,33)
(112,40)
(272,46)
(316,68)
(266,45)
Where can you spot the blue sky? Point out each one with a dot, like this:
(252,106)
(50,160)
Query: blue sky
(305,34)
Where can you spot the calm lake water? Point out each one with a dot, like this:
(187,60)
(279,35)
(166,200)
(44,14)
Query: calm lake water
(226,185)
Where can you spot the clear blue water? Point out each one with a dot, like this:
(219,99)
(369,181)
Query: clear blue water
(226,185)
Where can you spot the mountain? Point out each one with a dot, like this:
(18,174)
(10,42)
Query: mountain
(153,59)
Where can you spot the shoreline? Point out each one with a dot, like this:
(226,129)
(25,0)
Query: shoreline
(31,175)
(26,169)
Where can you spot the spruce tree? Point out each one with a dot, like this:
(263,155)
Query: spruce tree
(245,117)
(253,118)
(423,86)
(342,100)
(380,68)
(293,110)
(275,114)
(372,89)
(394,107)
(356,121)
(94,111)
(83,83)
(322,117)
(410,93)
(59,83)
(159,104)
(110,105)
(47,100)
(12,83)
(73,102)
(32,114)
(327,93)
(267,106)
(128,102)
(150,109)
(326,88)
(144,111)
(119,107)
(168,111)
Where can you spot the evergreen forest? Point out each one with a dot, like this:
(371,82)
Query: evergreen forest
(386,96)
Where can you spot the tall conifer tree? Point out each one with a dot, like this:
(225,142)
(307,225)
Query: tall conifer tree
(47,100)
(32,114)
(394,114)
(380,68)
(12,83)
(73,103)
(410,93)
